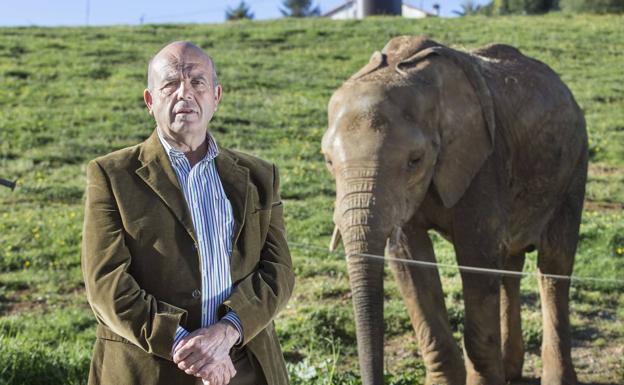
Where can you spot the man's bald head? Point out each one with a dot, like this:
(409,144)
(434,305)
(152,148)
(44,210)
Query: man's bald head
(182,93)
(174,52)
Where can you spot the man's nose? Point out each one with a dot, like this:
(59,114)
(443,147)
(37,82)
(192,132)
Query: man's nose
(184,90)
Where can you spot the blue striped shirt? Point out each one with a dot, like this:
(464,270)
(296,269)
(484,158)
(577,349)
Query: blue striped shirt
(213,221)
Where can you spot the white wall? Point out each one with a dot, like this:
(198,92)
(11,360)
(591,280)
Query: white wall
(351,12)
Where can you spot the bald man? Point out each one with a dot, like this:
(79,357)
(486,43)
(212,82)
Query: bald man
(184,253)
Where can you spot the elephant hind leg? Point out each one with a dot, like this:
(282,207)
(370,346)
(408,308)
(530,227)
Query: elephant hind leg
(511,327)
(556,256)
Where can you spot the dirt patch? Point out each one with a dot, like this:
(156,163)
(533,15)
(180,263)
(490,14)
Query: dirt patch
(30,300)
(603,206)
(401,349)
(604,170)
(594,365)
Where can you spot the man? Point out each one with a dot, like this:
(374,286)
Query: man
(184,253)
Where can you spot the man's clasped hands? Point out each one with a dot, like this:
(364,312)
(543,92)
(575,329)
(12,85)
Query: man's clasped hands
(205,353)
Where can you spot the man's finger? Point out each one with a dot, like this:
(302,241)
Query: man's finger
(200,371)
(206,371)
(216,376)
(222,374)
(182,352)
(196,366)
(226,372)
(228,376)
(181,343)
(232,370)
(194,358)
(212,377)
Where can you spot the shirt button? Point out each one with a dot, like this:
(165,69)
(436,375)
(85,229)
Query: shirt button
(196,293)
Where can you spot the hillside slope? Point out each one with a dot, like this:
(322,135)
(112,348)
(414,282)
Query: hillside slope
(70,94)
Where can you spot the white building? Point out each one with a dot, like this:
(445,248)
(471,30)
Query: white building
(348,10)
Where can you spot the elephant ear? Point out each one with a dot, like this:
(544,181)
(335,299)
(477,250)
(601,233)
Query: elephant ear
(466,126)
(376,61)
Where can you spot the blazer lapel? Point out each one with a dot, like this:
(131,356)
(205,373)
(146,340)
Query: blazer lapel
(158,174)
(235,180)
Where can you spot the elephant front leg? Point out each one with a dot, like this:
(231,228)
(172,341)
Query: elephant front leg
(422,292)
(482,326)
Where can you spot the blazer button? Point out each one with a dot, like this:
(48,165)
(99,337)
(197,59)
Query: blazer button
(196,293)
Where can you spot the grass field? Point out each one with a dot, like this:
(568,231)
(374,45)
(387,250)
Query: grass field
(71,94)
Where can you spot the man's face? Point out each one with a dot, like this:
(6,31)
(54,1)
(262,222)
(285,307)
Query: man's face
(182,97)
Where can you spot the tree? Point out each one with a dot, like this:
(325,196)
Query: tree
(593,6)
(242,11)
(468,7)
(502,7)
(299,8)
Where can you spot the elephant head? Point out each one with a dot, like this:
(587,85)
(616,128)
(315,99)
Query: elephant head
(417,119)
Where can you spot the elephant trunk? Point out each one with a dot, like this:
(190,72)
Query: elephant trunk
(359,227)
(366,279)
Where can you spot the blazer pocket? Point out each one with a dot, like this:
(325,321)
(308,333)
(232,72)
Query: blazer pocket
(264,217)
(104,333)
(258,210)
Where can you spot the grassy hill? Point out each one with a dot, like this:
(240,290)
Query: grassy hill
(71,94)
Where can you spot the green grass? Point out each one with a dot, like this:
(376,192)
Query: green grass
(70,94)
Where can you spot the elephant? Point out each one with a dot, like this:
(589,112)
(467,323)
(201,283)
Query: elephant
(487,148)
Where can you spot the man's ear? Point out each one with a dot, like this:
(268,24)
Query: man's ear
(218,91)
(147,98)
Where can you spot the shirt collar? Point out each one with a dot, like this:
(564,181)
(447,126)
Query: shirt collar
(213,149)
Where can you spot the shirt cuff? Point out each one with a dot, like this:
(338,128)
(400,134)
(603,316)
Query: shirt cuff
(180,333)
(232,317)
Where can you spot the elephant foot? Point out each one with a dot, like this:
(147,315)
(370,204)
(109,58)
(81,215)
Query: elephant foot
(458,378)
(558,376)
(557,368)
(476,379)
(513,369)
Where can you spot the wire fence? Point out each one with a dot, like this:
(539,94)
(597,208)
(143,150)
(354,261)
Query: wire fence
(469,269)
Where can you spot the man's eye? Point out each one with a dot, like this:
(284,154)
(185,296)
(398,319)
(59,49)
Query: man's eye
(170,85)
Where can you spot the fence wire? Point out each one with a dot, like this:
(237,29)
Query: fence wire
(469,269)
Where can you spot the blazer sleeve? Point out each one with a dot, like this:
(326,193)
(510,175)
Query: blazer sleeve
(260,296)
(114,295)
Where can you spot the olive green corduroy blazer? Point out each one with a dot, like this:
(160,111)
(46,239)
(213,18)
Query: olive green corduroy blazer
(141,265)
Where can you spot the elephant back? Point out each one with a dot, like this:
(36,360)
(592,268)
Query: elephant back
(499,51)
(382,64)
(400,48)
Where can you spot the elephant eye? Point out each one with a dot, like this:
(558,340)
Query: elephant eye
(413,162)
(329,164)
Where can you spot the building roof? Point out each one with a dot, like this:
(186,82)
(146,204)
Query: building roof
(339,8)
(406,4)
